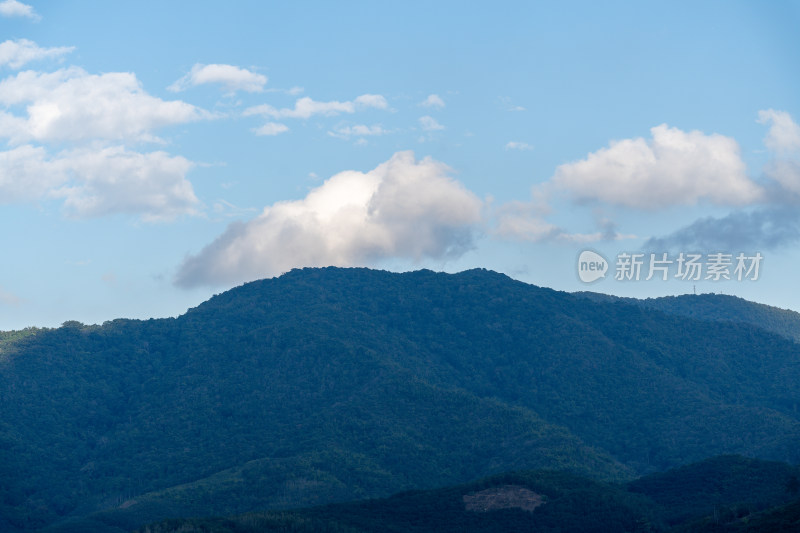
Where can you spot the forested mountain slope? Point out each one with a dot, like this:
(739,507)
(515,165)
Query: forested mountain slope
(725,493)
(337,384)
(717,307)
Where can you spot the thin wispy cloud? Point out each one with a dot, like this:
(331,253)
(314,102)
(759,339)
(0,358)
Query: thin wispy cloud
(306,107)
(508,105)
(516,145)
(428,123)
(527,222)
(433,100)
(19,52)
(358,130)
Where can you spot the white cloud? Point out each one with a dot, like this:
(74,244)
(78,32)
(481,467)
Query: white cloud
(359,130)
(231,77)
(433,100)
(784,133)
(303,108)
(672,168)
(784,184)
(271,128)
(26,174)
(375,101)
(403,208)
(306,107)
(783,140)
(774,225)
(70,104)
(94,182)
(115,180)
(514,145)
(13,8)
(429,123)
(21,51)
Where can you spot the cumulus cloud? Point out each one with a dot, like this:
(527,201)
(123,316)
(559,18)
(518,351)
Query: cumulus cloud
(515,145)
(67,132)
(70,104)
(115,180)
(783,169)
(305,107)
(776,223)
(784,134)
(93,182)
(428,123)
(785,181)
(13,8)
(26,174)
(672,168)
(18,52)
(433,100)
(403,208)
(231,77)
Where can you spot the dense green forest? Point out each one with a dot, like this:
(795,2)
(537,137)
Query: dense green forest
(329,385)
(726,493)
(717,307)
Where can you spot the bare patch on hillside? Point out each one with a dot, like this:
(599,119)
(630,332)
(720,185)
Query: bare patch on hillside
(505,497)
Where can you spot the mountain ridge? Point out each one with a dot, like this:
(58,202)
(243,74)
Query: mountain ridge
(716,307)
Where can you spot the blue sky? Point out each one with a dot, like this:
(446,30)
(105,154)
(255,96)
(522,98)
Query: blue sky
(155,153)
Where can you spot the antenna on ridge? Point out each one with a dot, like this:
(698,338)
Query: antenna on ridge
(695,289)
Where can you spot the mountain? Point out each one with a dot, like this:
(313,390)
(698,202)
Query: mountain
(505,503)
(717,307)
(724,487)
(721,493)
(331,384)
